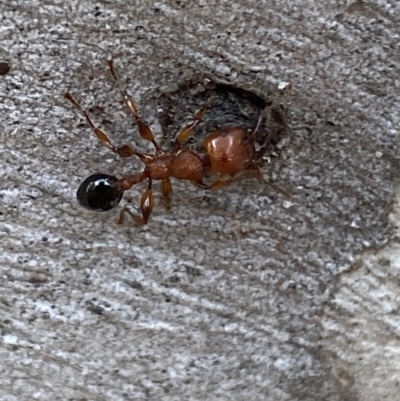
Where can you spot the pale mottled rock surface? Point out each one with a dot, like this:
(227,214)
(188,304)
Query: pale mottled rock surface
(231,295)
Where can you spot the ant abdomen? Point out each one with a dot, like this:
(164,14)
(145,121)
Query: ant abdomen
(99,192)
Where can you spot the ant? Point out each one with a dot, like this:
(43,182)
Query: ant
(229,154)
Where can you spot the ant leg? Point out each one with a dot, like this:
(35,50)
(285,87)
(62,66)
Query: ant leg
(123,151)
(201,184)
(146,202)
(256,169)
(216,185)
(186,132)
(220,184)
(259,121)
(264,115)
(253,168)
(166,189)
(144,129)
(276,121)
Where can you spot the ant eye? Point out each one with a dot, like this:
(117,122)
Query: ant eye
(99,192)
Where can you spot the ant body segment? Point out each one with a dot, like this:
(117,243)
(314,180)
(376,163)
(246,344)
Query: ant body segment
(230,153)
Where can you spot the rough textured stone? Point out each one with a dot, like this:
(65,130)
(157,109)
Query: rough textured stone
(230,295)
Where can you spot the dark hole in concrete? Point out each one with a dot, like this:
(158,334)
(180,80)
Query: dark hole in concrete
(227,106)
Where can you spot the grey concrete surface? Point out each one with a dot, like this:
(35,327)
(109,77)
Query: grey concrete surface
(231,295)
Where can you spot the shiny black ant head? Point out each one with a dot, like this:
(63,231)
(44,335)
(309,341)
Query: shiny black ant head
(99,192)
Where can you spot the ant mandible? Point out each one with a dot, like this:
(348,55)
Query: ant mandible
(229,153)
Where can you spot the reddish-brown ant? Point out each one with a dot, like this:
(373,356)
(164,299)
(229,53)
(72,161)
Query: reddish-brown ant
(229,154)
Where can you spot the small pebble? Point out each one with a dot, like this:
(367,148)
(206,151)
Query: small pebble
(4,67)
